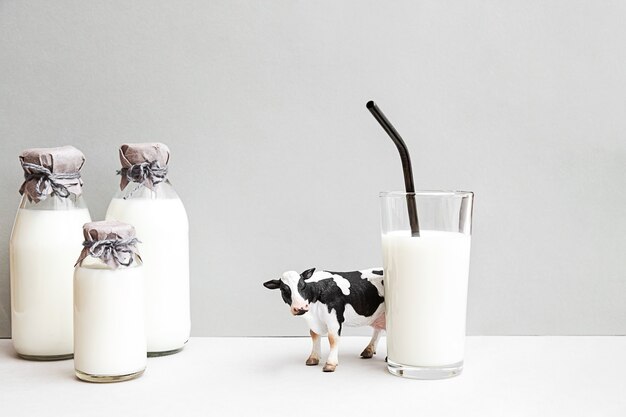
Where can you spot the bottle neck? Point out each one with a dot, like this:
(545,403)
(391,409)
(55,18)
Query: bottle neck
(134,190)
(95,263)
(55,202)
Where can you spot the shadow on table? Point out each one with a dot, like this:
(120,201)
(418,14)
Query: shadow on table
(348,362)
(7,351)
(55,370)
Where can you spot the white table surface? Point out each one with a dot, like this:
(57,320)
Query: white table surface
(503,376)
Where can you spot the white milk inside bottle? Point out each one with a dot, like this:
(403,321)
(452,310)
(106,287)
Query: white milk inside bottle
(109,332)
(42,252)
(148,201)
(426,281)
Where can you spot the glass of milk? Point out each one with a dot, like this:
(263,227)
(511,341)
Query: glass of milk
(109,333)
(148,201)
(426,279)
(42,252)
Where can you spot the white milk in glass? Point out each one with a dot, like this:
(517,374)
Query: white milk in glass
(108,320)
(148,201)
(42,253)
(426,281)
(163,230)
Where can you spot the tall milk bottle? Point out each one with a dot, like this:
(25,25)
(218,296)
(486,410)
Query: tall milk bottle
(42,252)
(148,201)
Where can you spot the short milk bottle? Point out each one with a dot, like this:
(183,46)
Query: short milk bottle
(148,201)
(42,252)
(109,332)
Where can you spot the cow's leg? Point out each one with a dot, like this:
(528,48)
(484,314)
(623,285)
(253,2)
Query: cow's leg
(370,349)
(334,332)
(333,356)
(314,357)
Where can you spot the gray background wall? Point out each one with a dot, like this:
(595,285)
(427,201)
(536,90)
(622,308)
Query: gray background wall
(280,165)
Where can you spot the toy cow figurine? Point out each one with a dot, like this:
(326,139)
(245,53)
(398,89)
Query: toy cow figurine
(330,300)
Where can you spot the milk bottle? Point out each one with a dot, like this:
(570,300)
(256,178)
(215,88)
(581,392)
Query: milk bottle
(109,333)
(42,251)
(148,201)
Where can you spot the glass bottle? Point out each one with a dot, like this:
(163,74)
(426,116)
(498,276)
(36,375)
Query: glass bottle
(109,333)
(147,200)
(42,251)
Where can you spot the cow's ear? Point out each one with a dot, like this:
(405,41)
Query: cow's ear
(272,284)
(308,273)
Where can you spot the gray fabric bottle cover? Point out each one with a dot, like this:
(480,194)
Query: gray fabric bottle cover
(51,171)
(112,242)
(144,163)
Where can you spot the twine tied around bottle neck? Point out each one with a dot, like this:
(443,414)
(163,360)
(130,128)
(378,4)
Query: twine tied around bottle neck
(113,252)
(148,174)
(47,182)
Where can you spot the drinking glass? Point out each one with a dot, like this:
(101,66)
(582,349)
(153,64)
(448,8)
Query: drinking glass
(426,279)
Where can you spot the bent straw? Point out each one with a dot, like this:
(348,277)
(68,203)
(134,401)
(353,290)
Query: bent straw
(406,164)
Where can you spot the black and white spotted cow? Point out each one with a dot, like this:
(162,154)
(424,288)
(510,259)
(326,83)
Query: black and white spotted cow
(330,300)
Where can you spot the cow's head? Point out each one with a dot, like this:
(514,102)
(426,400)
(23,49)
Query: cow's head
(292,288)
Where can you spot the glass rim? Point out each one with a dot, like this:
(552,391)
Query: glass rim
(427,193)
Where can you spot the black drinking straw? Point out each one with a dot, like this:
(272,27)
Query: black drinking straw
(406,164)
